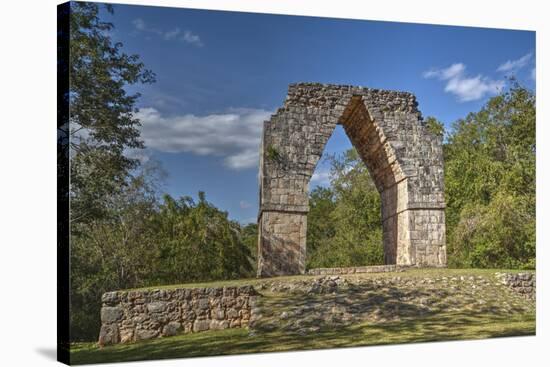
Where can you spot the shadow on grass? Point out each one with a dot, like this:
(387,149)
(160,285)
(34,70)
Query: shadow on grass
(238,341)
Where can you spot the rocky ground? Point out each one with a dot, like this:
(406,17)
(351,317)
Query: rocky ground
(309,305)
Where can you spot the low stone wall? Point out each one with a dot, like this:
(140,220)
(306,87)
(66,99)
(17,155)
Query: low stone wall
(128,316)
(355,269)
(522,283)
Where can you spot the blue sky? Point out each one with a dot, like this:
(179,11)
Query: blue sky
(220,74)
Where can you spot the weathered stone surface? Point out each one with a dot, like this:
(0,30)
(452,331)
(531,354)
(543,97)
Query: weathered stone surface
(219,324)
(172,328)
(403,157)
(111,314)
(108,334)
(145,334)
(524,284)
(218,313)
(201,325)
(156,307)
(110,298)
(140,315)
(126,335)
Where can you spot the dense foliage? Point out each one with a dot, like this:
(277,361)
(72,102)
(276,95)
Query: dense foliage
(490,184)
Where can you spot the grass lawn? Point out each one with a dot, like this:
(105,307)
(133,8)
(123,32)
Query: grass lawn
(237,341)
(458,310)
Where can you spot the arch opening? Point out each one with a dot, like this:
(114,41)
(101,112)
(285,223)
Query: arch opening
(380,159)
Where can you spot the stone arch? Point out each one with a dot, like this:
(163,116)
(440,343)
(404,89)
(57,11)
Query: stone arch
(403,157)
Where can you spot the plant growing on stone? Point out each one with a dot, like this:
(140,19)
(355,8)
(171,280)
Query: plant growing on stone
(273,154)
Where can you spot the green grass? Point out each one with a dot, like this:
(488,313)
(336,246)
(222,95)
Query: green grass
(237,341)
(457,311)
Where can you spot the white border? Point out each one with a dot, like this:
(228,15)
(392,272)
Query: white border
(28,182)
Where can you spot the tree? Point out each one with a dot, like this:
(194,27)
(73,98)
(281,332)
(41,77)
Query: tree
(144,241)
(101,121)
(117,251)
(490,184)
(249,237)
(320,228)
(197,242)
(108,208)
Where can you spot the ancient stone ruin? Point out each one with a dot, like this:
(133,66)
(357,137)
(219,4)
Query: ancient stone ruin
(404,159)
(129,316)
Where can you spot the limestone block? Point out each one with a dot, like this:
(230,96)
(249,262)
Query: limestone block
(172,328)
(111,314)
(201,325)
(145,334)
(108,334)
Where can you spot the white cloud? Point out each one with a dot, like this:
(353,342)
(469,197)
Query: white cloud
(234,136)
(173,34)
(464,87)
(515,65)
(320,178)
(245,159)
(191,38)
(243,204)
(451,72)
(471,89)
(139,24)
(534,73)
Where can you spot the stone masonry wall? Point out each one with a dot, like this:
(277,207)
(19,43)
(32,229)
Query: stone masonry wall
(404,159)
(356,270)
(522,283)
(128,316)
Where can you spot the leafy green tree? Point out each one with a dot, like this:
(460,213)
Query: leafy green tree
(490,184)
(101,121)
(108,209)
(498,235)
(198,242)
(249,237)
(116,252)
(320,227)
